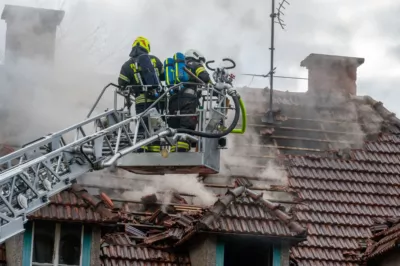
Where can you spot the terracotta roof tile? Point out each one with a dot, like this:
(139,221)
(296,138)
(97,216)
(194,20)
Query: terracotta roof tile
(251,214)
(383,240)
(74,205)
(341,193)
(327,263)
(120,239)
(330,242)
(131,255)
(341,198)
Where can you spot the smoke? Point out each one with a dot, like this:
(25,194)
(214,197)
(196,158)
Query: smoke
(168,183)
(98,34)
(40,100)
(247,155)
(136,186)
(330,104)
(95,37)
(39,95)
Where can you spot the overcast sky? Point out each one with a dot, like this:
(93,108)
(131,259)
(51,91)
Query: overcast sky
(99,33)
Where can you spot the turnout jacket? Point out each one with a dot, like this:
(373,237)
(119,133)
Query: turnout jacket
(198,69)
(128,74)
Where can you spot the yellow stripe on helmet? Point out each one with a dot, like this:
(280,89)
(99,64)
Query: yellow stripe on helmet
(142,42)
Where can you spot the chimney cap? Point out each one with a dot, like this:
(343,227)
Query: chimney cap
(319,59)
(47,15)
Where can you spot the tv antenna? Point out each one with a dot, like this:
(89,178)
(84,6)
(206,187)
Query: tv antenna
(276,17)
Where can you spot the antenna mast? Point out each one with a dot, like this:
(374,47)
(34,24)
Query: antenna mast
(276,17)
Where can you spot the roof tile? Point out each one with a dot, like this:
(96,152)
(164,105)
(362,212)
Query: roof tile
(341,200)
(133,255)
(385,240)
(340,195)
(66,206)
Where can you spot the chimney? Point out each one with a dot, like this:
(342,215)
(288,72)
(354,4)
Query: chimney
(31,32)
(332,73)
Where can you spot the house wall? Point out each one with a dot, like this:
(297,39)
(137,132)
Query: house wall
(19,244)
(390,259)
(14,250)
(284,248)
(203,253)
(95,246)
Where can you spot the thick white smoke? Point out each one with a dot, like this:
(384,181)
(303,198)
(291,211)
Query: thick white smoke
(137,186)
(94,40)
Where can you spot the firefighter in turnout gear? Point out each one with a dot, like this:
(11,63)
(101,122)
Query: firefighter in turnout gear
(187,100)
(143,69)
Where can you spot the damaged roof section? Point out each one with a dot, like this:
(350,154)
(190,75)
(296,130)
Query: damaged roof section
(386,237)
(239,211)
(149,237)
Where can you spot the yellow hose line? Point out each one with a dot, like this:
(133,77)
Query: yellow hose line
(244,117)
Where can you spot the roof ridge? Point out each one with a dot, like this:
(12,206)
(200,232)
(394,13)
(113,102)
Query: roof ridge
(377,106)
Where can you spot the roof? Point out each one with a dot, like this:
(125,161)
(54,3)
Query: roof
(239,211)
(75,205)
(252,214)
(150,245)
(386,237)
(121,255)
(119,249)
(5,149)
(342,160)
(12,12)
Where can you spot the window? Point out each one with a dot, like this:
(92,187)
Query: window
(56,244)
(247,252)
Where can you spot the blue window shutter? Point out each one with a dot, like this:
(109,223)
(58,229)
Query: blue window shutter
(276,255)
(86,246)
(220,254)
(27,248)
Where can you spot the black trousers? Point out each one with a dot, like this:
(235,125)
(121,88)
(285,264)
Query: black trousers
(186,104)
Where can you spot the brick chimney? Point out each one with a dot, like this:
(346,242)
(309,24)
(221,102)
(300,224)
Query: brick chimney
(332,73)
(31,32)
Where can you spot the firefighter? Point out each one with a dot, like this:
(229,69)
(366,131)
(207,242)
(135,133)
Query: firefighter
(187,100)
(142,69)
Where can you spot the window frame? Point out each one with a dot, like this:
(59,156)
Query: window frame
(56,248)
(220,250)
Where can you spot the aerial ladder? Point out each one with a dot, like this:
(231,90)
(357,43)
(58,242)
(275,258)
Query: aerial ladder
(46,166)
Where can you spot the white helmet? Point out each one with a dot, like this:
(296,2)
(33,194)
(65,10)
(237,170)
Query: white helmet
(196,55)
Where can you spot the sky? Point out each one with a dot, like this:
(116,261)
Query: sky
(97,34)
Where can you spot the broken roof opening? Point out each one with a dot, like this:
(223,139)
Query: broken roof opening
(332,73)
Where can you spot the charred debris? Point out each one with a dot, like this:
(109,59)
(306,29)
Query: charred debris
(152,222)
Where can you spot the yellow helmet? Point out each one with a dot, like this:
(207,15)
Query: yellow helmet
(142,42)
